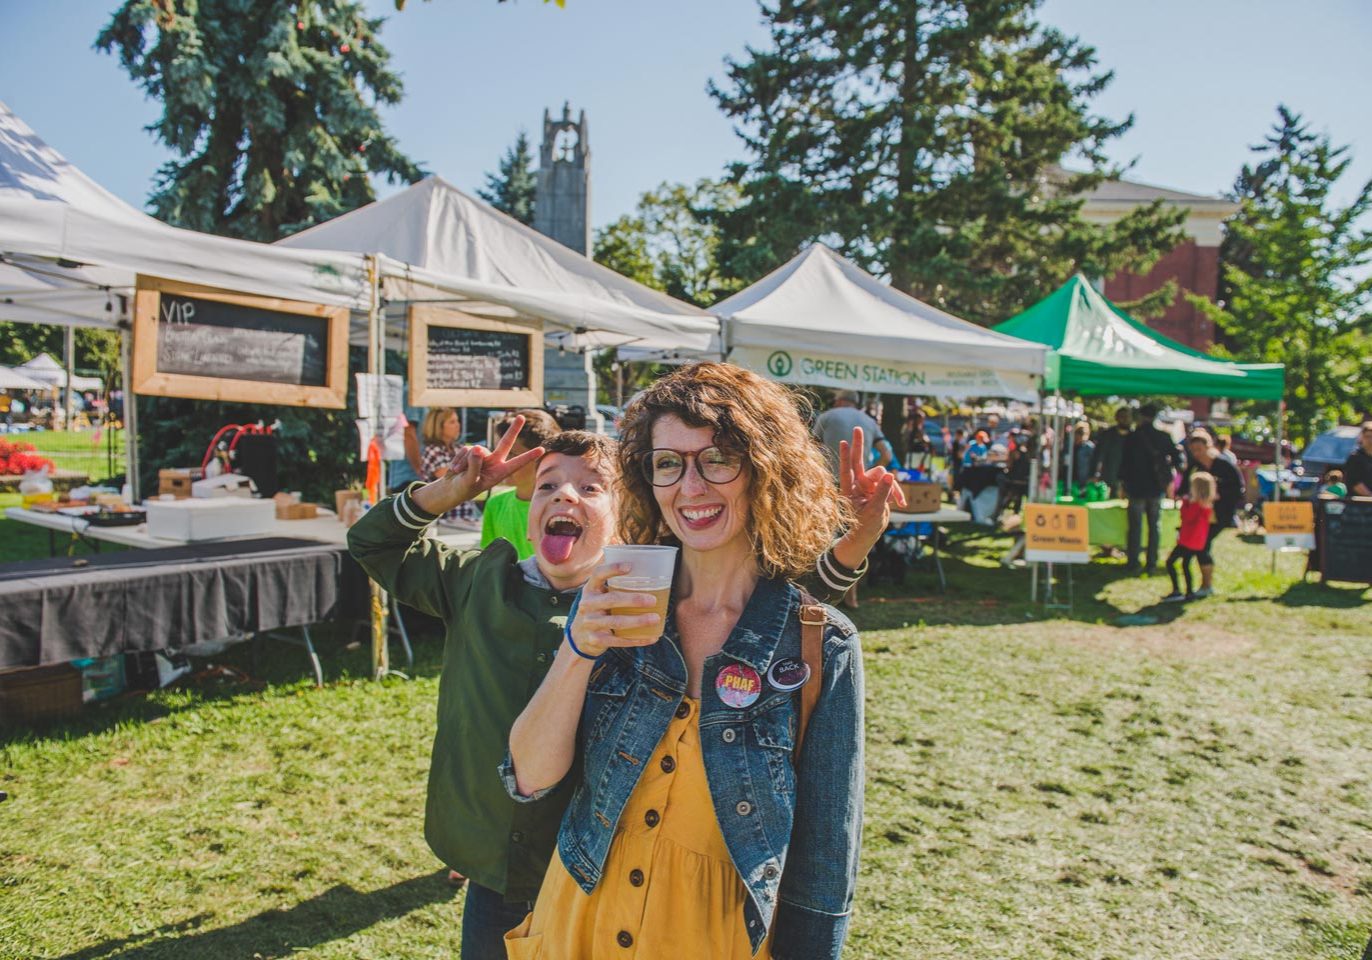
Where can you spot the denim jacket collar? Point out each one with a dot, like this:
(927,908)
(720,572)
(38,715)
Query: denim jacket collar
(754,638)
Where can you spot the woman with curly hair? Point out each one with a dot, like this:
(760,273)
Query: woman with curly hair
(717,810)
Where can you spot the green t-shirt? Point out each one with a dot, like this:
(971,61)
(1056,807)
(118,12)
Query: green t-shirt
(506,516)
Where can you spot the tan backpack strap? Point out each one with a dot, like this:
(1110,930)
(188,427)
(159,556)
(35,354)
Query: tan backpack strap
(812,622)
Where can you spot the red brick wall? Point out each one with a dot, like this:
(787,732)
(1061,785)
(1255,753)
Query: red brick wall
(1195,269)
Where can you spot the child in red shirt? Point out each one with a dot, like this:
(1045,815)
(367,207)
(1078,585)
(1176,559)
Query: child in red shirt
(1197,510)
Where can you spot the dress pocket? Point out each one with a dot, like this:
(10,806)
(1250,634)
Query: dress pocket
(520,944)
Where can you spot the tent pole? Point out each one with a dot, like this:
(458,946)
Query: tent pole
(592,413)
(69,359)
(1033,497)
(376,366)
(130,411)
(1276,486)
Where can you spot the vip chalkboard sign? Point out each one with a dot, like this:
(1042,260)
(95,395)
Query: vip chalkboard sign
(460,360)
(1345,539)
(209,344)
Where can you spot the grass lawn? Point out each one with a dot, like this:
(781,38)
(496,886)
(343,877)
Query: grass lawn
(1037,787)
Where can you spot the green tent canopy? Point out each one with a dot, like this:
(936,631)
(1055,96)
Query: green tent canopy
(1099,350)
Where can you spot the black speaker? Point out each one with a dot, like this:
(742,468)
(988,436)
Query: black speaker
(254,456)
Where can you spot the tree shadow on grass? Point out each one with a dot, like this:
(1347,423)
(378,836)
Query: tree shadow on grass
(334,914)
(1315,594)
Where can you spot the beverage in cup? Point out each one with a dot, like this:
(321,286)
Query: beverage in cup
(650,571)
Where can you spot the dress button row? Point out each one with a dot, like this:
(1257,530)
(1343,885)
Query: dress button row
(652,818)
(552,601)
(668,764)
(729,734)
(769,872)
(744,808)
(683,711)
(636,878)
(625,939)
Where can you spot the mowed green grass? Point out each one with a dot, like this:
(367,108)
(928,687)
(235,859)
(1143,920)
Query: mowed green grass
(1040,784)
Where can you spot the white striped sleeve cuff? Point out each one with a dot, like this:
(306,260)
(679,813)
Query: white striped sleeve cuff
(408,513)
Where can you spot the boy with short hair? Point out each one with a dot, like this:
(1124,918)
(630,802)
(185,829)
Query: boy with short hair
(506,513)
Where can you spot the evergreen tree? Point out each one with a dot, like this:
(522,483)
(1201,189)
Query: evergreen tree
(922,138)
(1294,276)
(270,107)
(512,189)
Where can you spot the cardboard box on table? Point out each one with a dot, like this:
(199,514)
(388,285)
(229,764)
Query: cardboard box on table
(209,519)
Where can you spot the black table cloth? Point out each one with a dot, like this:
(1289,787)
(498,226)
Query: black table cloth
(66,608)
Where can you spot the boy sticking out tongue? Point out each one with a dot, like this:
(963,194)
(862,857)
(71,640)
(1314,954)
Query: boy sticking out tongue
(503,621)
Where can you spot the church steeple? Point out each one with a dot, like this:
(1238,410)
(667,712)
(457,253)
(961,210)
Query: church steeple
(562,208)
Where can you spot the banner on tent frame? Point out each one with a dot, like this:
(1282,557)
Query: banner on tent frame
(209,344)
(1290,525)
(1056,534)
(884,376)
(458,360)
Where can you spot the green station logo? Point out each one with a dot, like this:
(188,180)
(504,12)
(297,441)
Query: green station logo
(779,363)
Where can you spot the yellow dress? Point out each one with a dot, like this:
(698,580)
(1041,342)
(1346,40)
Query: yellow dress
(669,888)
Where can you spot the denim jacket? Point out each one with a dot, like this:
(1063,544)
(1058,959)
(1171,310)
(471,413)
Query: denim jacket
(793,829)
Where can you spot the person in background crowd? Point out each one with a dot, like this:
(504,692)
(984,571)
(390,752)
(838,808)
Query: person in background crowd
(1024,446)
(1222,444)
(916,441)
(835,426)
(1333,485)
(507,512)
(679,842)
(440,433)
(1357,469)
(1109,453)
(1146,472)
(1083,454)
(401,473)
(978,449)
(1229,488)
(1197,510)
(5,407)
(957,447)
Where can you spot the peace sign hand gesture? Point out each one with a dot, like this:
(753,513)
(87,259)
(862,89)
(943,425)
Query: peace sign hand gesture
(475,470)
(871,492)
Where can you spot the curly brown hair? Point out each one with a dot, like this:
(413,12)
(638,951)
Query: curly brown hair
(796,510)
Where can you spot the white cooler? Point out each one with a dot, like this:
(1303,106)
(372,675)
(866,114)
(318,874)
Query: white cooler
(209,519)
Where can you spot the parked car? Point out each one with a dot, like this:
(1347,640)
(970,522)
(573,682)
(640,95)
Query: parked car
(1326,452)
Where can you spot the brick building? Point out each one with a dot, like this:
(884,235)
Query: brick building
(1193,264)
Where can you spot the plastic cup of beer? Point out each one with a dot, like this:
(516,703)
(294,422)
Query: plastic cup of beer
(650,571)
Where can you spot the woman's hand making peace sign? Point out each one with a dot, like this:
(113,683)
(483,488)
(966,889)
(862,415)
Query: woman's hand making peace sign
(871,492)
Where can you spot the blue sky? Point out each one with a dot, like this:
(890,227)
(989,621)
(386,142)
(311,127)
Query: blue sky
(1202,77)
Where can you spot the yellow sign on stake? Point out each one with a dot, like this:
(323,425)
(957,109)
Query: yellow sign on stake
(1056,534)
(1290,525)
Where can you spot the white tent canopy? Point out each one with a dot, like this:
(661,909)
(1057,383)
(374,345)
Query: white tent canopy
(47,370)
(12,379)
(442,232)
(820,319)
(68,246)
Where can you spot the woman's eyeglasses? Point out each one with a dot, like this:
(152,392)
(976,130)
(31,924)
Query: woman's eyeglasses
(665,467)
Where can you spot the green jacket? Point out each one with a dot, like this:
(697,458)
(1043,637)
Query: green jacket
(501,635)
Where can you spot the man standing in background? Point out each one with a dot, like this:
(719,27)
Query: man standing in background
(836,424)
(1109,453)
(1146,470)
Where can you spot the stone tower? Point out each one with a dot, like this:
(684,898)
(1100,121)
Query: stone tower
(562,204)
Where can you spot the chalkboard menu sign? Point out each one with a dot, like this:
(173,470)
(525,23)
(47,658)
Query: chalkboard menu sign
(204,343)
(1345,539)
(461,360)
